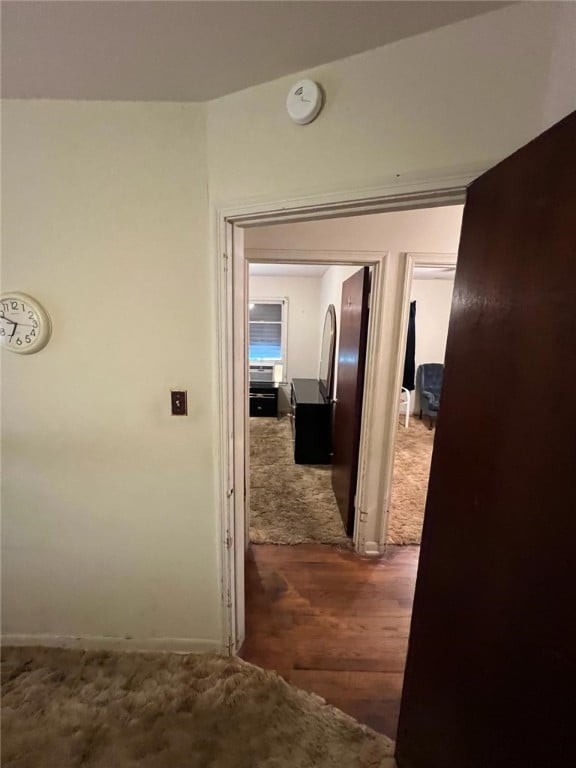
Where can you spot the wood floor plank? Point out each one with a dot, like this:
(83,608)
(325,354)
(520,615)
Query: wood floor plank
(333,623)
(393,662)
(353,686)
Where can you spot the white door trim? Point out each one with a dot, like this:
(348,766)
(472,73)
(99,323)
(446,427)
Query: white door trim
(231,280)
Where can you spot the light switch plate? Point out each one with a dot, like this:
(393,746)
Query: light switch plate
(179,402)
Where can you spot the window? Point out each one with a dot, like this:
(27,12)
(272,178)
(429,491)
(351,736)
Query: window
(267,323)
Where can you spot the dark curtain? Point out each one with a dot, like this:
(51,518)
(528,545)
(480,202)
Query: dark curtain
(409,360)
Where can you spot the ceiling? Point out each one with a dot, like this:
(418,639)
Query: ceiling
(194,51)
(287,270)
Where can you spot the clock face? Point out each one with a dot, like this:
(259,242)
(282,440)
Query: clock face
(304,101)
(24,324)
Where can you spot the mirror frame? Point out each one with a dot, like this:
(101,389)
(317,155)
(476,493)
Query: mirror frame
(326,385)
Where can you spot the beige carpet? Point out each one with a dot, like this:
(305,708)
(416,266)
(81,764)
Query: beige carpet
(66,709)
(289,503)
(412,456)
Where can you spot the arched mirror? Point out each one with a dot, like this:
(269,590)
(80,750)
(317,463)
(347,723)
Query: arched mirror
(327,351)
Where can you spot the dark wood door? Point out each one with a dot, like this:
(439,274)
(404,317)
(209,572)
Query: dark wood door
(350,388)
(491,672)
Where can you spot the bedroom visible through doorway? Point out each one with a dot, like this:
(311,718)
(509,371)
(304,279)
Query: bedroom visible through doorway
(319,610)
(301,466)
(429,290)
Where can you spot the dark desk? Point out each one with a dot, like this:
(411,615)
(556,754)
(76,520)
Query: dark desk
(311,415)
(264,398)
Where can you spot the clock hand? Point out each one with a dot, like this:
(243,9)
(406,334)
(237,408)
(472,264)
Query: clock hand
(14,331)
(12,322)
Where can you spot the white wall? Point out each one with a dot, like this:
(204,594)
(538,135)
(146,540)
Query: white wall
(433,303)
(426,230)
(303,294)
(109,506)
(331,293)
(109,509)
(304,327)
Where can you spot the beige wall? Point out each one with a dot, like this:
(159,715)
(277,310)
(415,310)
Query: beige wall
(109,511)
(460,97)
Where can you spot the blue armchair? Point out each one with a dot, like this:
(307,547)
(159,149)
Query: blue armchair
(429,385)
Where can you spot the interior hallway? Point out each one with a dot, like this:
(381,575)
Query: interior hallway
(333,623)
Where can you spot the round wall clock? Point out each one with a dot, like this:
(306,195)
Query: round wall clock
(304,101)
(25,326)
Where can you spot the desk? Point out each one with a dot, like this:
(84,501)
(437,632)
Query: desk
(264,398)
(311,415)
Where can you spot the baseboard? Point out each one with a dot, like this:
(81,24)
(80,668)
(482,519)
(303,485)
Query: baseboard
(97,643)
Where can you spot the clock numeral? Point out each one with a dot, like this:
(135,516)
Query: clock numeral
(5,306)
(14,304)
(33,332)
(30,314)
(2,332)
(34,324)
(28,339)
(19,341)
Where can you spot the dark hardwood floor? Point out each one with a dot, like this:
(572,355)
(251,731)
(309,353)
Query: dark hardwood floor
(333,623)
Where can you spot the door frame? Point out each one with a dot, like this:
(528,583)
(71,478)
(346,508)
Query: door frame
(231,278)
(377,261)
(409,261)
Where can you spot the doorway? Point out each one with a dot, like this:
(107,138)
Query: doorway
(307,335)
(297,596)
(380,388)
(337,266)
(427,303)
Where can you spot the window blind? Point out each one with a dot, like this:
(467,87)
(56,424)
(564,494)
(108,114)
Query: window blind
(265,322)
